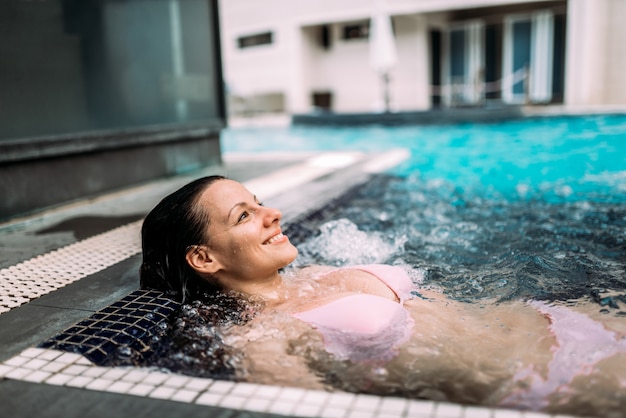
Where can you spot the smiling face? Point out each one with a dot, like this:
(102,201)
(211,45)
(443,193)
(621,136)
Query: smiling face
(245,242)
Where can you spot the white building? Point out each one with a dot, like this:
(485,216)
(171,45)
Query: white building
(295,56)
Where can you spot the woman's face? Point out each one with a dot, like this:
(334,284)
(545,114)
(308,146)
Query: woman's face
(243,235)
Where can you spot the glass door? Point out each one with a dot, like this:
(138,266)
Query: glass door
(465,73)
(528,58)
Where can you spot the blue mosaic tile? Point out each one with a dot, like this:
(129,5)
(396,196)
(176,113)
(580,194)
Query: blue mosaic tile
(126,326)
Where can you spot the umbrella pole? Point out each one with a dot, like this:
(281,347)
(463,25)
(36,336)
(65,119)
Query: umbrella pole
(386,91)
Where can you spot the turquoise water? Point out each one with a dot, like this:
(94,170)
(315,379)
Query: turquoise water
(555,159)
(521,209)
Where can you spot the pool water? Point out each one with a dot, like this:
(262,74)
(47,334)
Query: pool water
(474,248)
(552,158)
(515,210)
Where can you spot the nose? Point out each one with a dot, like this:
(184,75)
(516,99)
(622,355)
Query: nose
(271,216)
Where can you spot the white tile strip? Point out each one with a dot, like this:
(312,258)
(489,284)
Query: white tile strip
(43,274)
(72,370)
(297,175)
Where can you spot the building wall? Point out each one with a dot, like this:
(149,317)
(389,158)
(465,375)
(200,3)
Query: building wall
(344,71)
(586,52)
(616,53)
(410,89)
(296,66)
(596,53)
(260,69)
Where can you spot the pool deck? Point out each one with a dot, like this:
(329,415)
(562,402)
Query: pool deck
(60,266)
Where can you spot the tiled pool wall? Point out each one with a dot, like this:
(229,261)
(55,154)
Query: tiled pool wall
(56,367)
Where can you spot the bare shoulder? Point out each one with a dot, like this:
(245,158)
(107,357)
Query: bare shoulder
(268,325)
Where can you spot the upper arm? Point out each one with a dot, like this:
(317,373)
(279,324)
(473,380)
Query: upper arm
(266,344)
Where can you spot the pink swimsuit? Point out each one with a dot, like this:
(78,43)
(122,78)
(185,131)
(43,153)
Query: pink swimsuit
(364,327)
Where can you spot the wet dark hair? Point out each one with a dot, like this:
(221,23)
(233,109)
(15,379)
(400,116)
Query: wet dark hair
(175,224)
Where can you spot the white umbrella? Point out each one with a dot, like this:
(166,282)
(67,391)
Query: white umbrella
(383,55)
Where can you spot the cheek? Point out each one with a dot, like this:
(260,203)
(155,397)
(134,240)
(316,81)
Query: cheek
(239,246)
(226,249)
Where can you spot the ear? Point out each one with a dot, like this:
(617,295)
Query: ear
(202,261)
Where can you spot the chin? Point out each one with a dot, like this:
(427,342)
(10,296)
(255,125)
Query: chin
(294,254)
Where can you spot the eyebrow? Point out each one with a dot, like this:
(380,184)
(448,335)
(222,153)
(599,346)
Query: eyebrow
(237,205)
(240,204)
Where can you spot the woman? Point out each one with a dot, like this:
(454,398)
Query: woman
(367,328)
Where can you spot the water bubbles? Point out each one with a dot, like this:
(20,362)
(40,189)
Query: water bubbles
(342,243)
(380,373)
(564,191)
(440,233)
(124,352)
(417,275)
(489,247)
(523,190)
(475,284)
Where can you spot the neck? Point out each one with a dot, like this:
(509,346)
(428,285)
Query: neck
(271,288)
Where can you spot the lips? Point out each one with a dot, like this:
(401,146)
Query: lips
(276,238)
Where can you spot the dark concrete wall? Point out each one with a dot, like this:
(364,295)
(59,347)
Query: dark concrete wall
(32,184)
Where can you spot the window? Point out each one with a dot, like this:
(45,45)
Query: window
(356,31)
(110,65)
(466,63)
(325,36)
(322,100)
(257,39)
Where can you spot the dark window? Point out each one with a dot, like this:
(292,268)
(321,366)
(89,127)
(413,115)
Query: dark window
(493,58)
(72,66)
(356,31)
(322,100)
(558,68)
(255,40)
(435,69)
(325,36)
(457,55)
